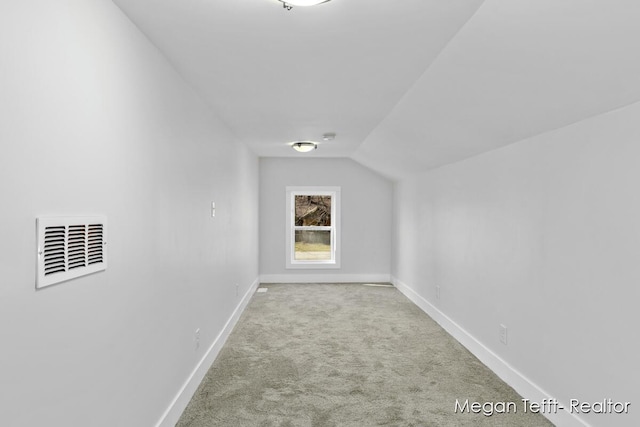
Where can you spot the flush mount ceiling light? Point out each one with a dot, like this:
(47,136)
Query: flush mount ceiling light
(304,146)
(288,4)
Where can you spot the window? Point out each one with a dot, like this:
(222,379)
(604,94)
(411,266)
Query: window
(312,227)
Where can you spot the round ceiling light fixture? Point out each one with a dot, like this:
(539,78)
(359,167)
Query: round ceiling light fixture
(288,4)
(304,146)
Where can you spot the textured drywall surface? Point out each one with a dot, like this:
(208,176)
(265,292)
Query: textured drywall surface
(95,121)
(365,213)
(541,236)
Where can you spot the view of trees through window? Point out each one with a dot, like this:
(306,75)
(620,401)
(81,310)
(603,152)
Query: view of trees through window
(312,227)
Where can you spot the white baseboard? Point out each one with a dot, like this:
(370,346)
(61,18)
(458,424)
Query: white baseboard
(525,387)
(324,278)
(180,402)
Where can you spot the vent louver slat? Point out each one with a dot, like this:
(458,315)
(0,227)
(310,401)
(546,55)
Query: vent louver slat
(70,247)
(96,238)
(54,254)
(77,246)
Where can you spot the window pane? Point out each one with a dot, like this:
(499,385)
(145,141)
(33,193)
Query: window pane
(313,245)
(313,210)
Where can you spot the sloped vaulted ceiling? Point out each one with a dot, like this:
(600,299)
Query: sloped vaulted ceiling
(407,85)
(518,68)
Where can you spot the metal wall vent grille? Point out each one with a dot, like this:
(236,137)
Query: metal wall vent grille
(70,247)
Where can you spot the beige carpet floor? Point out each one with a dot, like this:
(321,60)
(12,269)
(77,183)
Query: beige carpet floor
(325,355)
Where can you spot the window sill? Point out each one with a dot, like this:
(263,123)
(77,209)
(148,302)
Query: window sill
(312,265)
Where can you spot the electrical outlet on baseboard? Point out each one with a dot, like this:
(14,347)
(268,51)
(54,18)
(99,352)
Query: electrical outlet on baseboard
(503,334)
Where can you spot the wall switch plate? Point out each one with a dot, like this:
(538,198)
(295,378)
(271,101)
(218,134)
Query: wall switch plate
(503,334)
(213,209)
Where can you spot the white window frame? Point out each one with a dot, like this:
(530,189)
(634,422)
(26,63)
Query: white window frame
(334,262)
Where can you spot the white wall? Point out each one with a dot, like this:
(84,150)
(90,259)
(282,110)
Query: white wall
(93,120)
(365,218)
(542,236)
